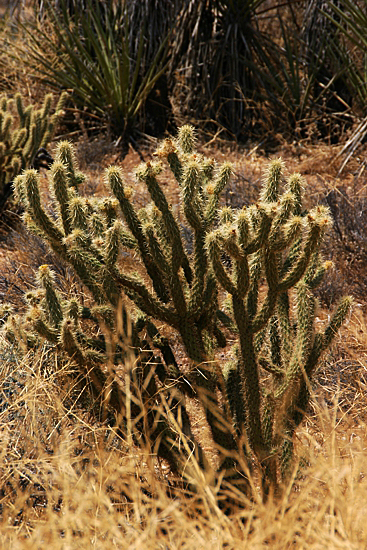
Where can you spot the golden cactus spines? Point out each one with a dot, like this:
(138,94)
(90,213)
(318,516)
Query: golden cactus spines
(186,138)
(272,181)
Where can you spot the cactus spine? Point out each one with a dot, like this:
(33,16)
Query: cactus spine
(274,247)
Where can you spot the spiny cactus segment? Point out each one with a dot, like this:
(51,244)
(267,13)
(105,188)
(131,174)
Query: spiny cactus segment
(24,134)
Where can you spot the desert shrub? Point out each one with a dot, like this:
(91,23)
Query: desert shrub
(260,298)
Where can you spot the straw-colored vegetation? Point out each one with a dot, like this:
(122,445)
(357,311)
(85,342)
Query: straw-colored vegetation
(110,437)
(71,483)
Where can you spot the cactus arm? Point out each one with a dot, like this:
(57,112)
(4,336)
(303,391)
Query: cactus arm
(60,187)
(66,155)
(186,138)
(226,321)
(295,185)
(272,181)
(253,292)
(168,150)
(275,344)
(292,256)
(156,249)
(284,212)
(243,229)
(170,269)
(233,382)
(284,327)
(318,219)
(216,189)
(250,376)
(291,232)
(206,314)
(19,139)
(265,313)
(267,309)
(114,179)
(323,341)
(303,341)
(220,272)
(242,276)
(262,232)
(112,240)
(147,302)
(175,165)
(318,275)
(320,343)
(109,208)
(77,212)
(31,185)
(53,301)
(200,269)
(299,267)
(190,184)
(306,306)
(146,173)
(39,325)
(86,267)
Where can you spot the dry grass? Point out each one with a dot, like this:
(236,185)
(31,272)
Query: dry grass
(67,482)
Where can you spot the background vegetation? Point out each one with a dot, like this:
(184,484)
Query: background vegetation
(241,68)
(264,75)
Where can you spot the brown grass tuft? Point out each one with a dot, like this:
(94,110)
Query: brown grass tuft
(68,482)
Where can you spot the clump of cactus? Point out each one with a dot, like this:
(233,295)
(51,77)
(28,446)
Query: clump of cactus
(24,131)
(261,297)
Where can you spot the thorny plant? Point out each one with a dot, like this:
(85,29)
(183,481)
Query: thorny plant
(261,297)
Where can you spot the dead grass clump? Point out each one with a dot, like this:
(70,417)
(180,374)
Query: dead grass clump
(68,481)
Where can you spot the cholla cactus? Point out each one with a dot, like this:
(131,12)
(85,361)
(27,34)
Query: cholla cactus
(23,132)
(264,299)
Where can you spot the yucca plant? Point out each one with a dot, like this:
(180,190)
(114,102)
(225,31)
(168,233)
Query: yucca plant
(222,53)
(262,300)
(298,89)
(100,55)
(351,21)
(234,72)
